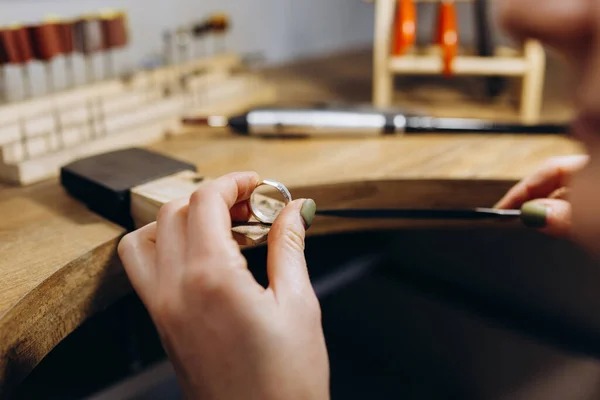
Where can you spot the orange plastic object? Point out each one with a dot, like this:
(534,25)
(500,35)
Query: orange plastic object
(447,34)
(405,28)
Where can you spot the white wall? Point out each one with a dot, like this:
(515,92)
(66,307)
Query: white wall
(283,29)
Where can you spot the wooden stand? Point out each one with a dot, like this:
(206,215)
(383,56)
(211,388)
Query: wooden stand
(38,136)
(529,64)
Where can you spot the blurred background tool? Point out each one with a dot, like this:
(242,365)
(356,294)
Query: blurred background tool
(115,36)
(67,45)
(46,44)
(3,62)
(183,38)
(167,47)
(447,35)
(200,32)
(494,85)
(88,41)
(183,41)
(220,25)
(17,46)
(405,27)
(446,56)
(351,122)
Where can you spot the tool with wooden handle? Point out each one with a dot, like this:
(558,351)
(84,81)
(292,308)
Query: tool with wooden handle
(220,25)
(114,35)
(17,45)
(46,44)
(88,41)
(129,186)
(66,33)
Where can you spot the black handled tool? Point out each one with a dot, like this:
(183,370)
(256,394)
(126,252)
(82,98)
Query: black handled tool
(377,213)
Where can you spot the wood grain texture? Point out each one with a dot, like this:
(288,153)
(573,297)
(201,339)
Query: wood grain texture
(147,199)
(119,124)
(58,267)
(58,259)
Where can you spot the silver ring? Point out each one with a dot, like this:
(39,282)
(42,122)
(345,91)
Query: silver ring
(258,214)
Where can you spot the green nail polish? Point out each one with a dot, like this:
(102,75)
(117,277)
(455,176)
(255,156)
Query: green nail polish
(308,210)
(534,214)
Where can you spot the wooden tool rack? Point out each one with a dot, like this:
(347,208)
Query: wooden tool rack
(528,63)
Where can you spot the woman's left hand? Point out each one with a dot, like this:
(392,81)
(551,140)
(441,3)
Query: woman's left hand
(543,195)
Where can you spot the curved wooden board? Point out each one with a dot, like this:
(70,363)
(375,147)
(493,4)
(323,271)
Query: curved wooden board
(59,260)
(59,265)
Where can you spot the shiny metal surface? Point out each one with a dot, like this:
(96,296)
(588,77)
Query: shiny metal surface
(315,122)
(262,216)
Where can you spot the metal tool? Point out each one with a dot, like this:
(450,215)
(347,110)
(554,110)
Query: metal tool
(460,214)
(361,121)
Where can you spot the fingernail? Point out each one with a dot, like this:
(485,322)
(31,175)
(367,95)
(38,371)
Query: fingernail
(533,214)
(308,210)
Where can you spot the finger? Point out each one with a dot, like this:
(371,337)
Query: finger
(286,264)
(554,22)
(240,212)
(171,225)
(137,251)
(560,194)
(550,216)
(209,228)
(553,175)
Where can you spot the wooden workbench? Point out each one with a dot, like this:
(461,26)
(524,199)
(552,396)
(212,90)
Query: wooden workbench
(58,262)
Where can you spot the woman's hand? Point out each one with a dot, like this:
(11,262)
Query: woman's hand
(226,335)
(543,196)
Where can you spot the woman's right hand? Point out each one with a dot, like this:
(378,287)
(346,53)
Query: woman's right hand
(543,196)
(227,336)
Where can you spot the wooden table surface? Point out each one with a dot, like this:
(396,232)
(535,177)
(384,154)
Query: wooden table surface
(58,261)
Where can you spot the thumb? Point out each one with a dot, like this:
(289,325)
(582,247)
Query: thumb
(286,264)
(551,216)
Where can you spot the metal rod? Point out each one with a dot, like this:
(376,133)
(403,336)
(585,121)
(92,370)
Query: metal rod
(50,87)
(3,91)
(478,213)
(89,69)
(70,71)
(109,65)
(27,87)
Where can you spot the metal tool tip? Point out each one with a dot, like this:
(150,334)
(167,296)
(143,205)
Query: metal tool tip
(217,121)
(214,121)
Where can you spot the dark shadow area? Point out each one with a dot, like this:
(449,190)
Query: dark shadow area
(411,315)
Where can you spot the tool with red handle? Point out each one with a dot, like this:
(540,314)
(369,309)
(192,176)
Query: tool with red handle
(114,36)
(18,50)
(46,45)
(447,34)
(405,27)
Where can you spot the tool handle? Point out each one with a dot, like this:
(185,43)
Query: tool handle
(45,40)
(114,29)
(421,124)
